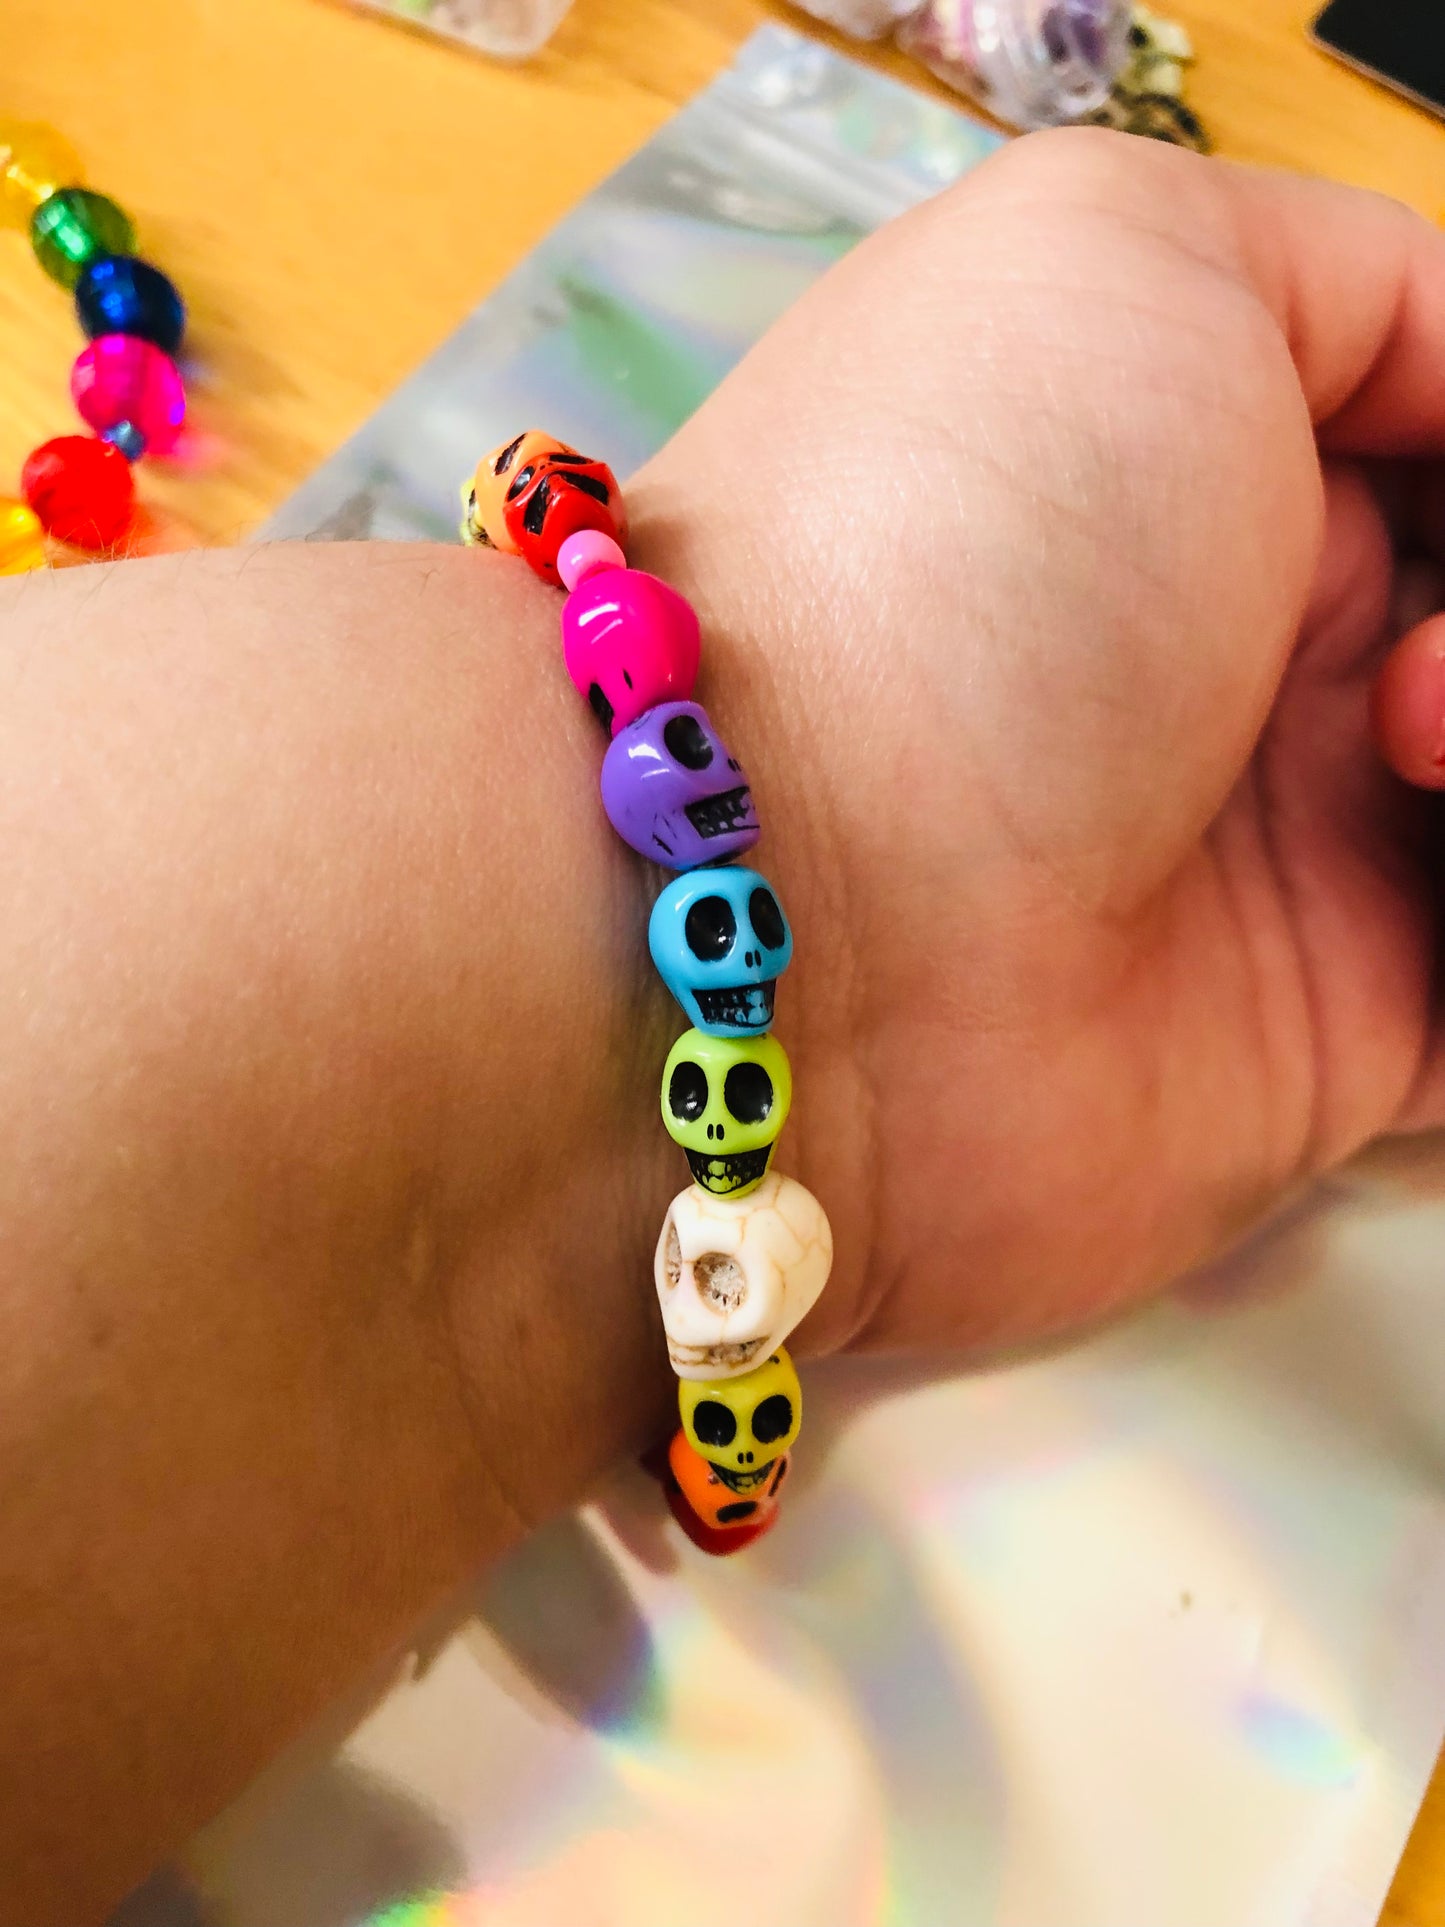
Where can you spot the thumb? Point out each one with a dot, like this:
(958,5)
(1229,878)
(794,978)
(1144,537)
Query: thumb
(1409,706)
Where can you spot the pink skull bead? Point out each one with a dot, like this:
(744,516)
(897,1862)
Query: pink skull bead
(630,642)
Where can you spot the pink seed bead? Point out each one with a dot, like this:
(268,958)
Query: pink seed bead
(120,378)
(586,552)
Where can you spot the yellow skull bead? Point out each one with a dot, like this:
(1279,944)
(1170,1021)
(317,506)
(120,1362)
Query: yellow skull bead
(742,1424)
(35,162)
(22,539)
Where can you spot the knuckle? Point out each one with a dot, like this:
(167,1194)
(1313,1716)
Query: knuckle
(1094,167)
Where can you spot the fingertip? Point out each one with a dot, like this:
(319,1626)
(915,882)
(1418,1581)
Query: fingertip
(1408,706)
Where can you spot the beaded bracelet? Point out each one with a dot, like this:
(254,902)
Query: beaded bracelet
(78,488)
(744,1251)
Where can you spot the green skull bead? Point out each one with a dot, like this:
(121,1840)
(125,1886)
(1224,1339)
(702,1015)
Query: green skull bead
(725,1100)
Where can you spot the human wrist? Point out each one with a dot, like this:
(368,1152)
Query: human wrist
(761,675)
(551,1177)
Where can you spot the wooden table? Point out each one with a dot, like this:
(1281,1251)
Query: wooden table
(326,191)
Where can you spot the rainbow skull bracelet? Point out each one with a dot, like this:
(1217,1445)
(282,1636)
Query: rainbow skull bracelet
(744,1251)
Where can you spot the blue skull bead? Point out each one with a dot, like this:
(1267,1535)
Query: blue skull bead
(720,942)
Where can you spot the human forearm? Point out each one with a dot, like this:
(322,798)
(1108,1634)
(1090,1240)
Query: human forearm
(324,1119)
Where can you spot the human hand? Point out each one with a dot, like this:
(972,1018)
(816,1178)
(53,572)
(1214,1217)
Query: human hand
(1064,537)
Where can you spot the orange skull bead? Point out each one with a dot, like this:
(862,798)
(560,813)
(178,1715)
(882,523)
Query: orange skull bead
(721,1499)
(484,497)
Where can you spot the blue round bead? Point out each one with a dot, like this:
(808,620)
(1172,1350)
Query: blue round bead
(122,295)
(127,438)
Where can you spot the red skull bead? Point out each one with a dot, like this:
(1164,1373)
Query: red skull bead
(531,493)
(558,494)
(717,1543)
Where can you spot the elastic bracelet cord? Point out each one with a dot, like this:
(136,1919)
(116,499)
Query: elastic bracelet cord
(744,1251)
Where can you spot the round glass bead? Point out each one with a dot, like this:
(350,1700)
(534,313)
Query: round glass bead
(75,227)
(81,489)
(127,438)
(35,162)
(120,378)
(22,539)
(119,294)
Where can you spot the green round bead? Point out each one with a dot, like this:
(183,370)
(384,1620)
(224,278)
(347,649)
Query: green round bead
(74,227)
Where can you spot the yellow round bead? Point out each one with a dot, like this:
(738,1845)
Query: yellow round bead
(22,540)
(35,162)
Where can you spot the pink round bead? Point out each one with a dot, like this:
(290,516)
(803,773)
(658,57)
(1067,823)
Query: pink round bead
(586,552)
(120,378)
(629,642)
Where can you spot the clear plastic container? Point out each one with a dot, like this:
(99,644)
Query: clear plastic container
(1032,63)
(510,29)
(864,19)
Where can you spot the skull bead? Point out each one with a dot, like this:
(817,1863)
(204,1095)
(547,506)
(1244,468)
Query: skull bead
(741,1425)
(629,642)
(725,1100)
(722,1498)
(484,497)
(564,494)
(720,942)
(674,791)
(530,494)
(719,1542)
(736,1276)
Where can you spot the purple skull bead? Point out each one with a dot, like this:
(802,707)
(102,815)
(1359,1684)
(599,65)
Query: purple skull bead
(671,789)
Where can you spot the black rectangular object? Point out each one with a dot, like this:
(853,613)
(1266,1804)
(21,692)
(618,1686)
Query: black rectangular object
(1399,42)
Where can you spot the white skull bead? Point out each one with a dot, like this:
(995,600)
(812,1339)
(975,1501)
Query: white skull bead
(736,1275)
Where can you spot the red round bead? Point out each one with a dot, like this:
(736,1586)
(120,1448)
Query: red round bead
(81,488)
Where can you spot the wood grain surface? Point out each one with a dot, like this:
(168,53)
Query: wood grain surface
(333,194)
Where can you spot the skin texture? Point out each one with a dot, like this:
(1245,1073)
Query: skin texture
(323,1156)
(1082,611)
(1047,557)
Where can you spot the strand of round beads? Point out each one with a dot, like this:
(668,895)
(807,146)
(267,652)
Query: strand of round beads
(744,1251)
(126,387)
